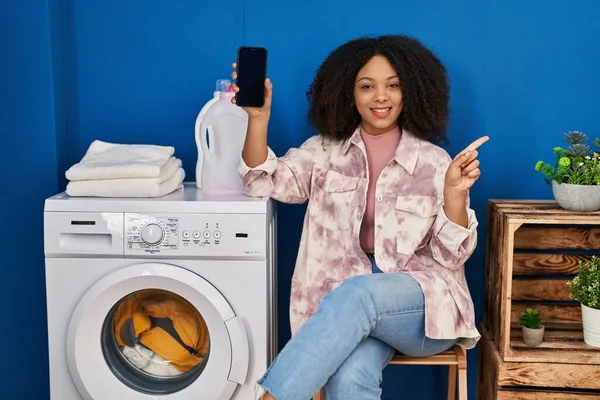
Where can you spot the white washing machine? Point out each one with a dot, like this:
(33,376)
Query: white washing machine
(151,298)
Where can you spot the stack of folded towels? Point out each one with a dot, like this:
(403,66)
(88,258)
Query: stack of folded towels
(125,170)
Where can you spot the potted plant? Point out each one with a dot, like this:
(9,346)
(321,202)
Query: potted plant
(585,288)
(575,177)
(531,325)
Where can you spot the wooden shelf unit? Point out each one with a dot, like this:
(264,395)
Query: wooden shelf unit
(533,247)
(533,380)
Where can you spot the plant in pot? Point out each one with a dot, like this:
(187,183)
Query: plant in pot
(575,177)
(585,288)
(531,325)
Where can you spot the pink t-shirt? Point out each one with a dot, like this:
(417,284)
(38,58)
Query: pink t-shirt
(380,151)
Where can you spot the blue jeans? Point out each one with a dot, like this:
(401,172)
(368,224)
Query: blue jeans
(351,338)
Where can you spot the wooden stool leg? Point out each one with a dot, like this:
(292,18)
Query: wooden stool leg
(462,384)
(461,355)
(319,395)
(452,369)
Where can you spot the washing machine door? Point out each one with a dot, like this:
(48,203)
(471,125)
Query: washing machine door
(155,329)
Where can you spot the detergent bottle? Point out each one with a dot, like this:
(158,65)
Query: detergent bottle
(221,136)
(221,86)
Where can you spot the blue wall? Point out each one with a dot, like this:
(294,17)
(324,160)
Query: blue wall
(27,131)
(139,71)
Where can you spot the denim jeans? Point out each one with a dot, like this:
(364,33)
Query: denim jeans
(349,340)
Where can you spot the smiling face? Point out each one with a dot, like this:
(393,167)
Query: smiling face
(377,96)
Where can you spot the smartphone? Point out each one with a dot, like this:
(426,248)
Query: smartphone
(251,75)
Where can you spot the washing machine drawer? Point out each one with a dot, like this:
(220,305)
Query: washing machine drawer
(83,233)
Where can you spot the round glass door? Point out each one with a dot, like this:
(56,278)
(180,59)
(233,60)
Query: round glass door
(155,341)
(152,330)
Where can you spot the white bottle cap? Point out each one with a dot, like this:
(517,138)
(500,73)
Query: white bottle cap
(223,84)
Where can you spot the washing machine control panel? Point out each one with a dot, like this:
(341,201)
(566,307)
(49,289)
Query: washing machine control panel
(151,233)
(242,235)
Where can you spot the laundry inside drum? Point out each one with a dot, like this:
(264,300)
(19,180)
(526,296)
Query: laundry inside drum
(153,336)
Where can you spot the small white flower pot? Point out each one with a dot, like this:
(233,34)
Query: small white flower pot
(591,325)
(533,337)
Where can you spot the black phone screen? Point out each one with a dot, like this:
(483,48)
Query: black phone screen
(251,75)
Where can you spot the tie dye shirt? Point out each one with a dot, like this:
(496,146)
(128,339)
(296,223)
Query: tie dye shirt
(413,235)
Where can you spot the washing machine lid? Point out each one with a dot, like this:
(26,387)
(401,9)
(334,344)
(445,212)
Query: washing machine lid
(188,199)
(95,378)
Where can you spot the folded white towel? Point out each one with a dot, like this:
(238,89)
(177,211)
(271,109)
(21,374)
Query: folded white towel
(167,171)
(132,187)
(105,160)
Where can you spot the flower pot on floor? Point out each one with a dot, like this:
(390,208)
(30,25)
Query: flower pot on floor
(582,198)
(533,337)
(591,325)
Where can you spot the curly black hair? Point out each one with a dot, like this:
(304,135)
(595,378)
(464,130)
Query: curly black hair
(423,81)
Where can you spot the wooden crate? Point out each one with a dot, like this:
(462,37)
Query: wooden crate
(532,251)
(508,380)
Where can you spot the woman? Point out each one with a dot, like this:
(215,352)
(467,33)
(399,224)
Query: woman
(388,226)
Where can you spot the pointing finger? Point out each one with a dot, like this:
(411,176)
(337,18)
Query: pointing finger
(475,144)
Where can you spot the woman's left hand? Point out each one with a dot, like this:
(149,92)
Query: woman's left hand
(464,171)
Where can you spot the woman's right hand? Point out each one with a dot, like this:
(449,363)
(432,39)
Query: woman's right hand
(253,112)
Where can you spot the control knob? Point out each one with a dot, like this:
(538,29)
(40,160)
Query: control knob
(152,234)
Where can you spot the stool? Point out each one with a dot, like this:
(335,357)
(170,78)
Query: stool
(456,360)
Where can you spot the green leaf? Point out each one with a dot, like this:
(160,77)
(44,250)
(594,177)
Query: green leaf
(585,287)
